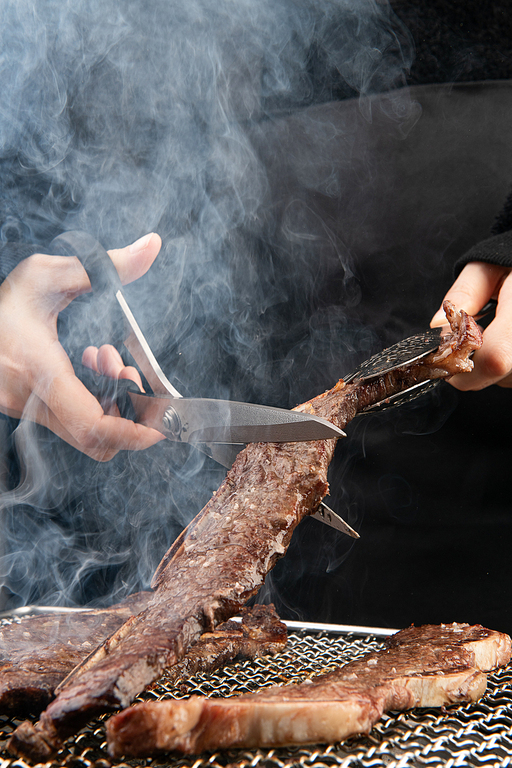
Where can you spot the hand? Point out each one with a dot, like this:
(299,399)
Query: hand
(37,380)
(477,283)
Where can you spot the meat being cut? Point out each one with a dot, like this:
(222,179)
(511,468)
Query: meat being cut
(222,558)
(220,561)
(428,666)
(39,652)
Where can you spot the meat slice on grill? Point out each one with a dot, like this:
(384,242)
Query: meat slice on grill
(40,651)
(427,666)
(220,561)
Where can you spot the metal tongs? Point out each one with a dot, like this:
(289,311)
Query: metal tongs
(219,428)
(405,352)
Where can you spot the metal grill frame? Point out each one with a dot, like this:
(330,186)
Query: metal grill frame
(477,734)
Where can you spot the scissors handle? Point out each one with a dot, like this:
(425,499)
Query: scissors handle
(120,325)
(103,277)
(110,391)
(94,259)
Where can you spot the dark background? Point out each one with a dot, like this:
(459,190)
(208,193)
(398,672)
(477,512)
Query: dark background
(427,486)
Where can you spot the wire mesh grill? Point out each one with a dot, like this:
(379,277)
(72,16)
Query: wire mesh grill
(471,735)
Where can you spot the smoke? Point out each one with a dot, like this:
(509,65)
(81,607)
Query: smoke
(125,118)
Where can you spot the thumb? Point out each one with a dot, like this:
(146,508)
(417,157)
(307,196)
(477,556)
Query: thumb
(134,260)
(60,279)
(476,284)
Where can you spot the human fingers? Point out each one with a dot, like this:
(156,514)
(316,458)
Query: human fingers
(57,399)
(57,280)
(110,363)
(68,404)
(90,358)
(477,283)
(37,411)
(34,367)
(109,435)
(493,361)
(134,261)
(107,362)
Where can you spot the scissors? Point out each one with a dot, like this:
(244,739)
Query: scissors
(218,428)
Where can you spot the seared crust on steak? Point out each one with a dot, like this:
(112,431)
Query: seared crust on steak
(222,558)
(464,645)
(260,633)
(421,667)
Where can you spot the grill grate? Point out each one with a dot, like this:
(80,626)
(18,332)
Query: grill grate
(472,735)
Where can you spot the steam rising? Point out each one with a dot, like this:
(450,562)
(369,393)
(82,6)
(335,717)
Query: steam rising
(125,118)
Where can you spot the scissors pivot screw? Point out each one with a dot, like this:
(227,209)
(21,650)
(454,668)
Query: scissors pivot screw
(171,421)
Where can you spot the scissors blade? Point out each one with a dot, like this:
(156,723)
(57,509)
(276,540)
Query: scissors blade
(136,344)
(204,420)
(186,419)
(328,516)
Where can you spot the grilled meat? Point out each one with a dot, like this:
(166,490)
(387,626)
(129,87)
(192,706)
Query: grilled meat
(260,633)
(39,652)
(222,558)
(427,666)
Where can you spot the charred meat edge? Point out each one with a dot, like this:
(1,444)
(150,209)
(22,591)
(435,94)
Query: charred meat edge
(220,561)
(429,666)
(260,633)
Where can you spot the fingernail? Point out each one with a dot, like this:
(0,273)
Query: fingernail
(141,243)
(439,318)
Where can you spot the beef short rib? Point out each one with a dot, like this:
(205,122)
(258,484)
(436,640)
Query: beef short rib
(39,651)
(260,633)
(429,666)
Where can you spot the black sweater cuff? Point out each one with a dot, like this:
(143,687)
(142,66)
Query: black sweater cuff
(494,250)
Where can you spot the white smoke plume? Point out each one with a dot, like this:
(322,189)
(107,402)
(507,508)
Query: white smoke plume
(125,118)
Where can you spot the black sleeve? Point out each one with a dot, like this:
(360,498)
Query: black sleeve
(12,253)
(496,249)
